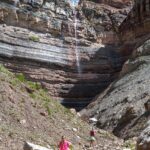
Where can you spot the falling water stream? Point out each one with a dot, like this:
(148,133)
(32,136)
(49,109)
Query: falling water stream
(73,3)
(16,2)
(77,52)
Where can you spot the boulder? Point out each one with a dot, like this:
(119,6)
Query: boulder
(37,3)
(30,146)
(143,142)
(34,3)
(147,105)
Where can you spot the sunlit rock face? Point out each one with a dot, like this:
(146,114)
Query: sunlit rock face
(38,39)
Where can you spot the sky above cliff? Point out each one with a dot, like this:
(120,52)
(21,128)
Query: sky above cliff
(74,2)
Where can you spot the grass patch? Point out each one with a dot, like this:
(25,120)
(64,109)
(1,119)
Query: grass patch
(67,111)
(130,144)
(34,85)
(32,95)
(48,108)
(13,82)
(17,79)
(4,70)
(20,77)
(34,38)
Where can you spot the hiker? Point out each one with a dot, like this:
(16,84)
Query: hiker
(92,137)
(64,144)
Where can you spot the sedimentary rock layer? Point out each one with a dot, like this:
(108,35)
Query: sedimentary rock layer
(40,42)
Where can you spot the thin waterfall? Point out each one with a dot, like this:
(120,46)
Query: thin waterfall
(76,45)
(77,52)
(16,2)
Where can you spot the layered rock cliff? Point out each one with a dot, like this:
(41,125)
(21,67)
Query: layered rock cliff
(123,107)
(38,39)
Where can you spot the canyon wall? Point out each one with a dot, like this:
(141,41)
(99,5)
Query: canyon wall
(123,107)
(38,39)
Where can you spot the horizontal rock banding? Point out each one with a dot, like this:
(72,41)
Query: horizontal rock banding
(45,50)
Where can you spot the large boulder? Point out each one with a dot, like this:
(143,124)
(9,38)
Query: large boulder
(30,146)
(143,142)
(37,3)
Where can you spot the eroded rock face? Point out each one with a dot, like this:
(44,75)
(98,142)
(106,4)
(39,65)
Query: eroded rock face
(114,3)
(143,142)
(120,108)
(40,42)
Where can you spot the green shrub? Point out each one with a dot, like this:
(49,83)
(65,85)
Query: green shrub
(20,77)
(14,82)
(32,95)
(48,109)
(130,144)
(34,85)
(34,38)
(4,70)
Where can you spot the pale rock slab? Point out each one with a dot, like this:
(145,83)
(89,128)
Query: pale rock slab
(30,146)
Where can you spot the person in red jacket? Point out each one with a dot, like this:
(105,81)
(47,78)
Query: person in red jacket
(64,144)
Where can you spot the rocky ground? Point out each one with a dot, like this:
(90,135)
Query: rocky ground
(28,114)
